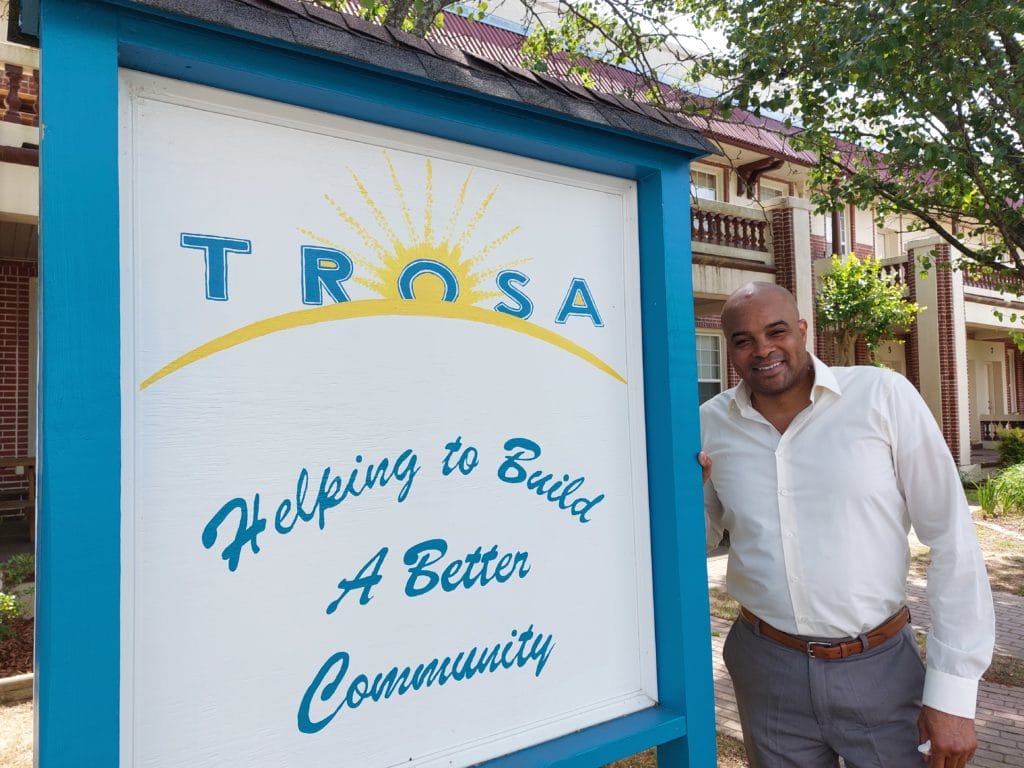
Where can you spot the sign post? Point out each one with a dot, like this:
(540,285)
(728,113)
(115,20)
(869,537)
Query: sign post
(397,467)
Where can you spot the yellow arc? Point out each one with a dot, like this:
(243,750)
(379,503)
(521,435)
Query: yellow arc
(376,308)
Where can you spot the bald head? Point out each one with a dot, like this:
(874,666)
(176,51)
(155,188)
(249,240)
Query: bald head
(759,293)
(767,341)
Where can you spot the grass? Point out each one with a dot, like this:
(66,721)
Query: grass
(1004,558)
(1004,670)
(730,755)
(723,606)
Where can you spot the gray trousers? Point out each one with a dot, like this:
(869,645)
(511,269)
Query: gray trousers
(801,712)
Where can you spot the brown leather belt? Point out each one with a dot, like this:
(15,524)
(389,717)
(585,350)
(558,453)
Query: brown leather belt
(831,651)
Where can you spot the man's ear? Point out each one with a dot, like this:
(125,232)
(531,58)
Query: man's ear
(802,325)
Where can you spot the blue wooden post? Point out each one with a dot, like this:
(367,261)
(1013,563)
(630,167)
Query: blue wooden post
(682,617)
(77,623)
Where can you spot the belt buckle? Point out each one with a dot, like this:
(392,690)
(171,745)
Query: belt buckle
(812,644)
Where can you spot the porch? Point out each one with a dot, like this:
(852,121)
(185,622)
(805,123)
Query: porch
(19,232)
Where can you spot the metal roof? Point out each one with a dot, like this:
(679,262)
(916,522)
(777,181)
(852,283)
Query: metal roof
(758,133)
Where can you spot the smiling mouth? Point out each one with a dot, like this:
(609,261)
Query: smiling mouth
(769,367)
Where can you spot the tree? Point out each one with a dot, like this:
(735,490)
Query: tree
(617,32)
(856,300)
(416,16)
(912,106)
(915,106)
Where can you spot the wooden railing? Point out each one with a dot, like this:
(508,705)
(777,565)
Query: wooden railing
(991,424)
(732,229)
(1003,281)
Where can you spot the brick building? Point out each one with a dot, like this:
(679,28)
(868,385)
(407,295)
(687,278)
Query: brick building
(19,270)
(750,220)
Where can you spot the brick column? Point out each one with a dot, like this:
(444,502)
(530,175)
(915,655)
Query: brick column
(912,348)
(791,255)
(942,348)
(14,362)
(861,356)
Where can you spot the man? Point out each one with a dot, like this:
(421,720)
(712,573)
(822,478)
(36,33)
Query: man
(817,473)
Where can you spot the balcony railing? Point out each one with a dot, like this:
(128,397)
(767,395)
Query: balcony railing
(1003,281)
(729,226)
(991,424)
(895,271)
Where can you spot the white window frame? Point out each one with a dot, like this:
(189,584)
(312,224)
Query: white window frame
(722,363)
(710,173)
(781,187)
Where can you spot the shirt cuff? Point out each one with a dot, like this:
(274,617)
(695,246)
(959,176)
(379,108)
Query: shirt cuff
(949,693)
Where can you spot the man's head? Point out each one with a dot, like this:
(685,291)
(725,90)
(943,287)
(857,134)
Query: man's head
(766,339)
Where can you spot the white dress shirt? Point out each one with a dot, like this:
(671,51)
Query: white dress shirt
(818,520)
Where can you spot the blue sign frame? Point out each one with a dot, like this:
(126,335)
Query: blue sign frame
(79,580)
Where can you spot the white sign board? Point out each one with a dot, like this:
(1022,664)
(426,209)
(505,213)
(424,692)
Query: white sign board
(384,480)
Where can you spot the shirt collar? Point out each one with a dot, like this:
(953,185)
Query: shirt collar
(824,380)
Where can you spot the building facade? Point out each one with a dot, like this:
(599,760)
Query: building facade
(750,220)
(19,271)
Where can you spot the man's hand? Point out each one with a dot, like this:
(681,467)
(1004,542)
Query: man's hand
(953,738)
(705,466)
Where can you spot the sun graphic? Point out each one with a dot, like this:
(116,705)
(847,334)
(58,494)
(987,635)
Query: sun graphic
(431,267)
(390,260)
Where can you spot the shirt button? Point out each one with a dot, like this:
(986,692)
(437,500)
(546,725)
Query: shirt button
(794,579)
(789,534)
(783,492)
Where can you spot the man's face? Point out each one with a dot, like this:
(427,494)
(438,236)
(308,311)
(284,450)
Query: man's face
(767,343)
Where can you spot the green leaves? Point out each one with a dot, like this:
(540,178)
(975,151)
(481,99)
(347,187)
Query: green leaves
(936,94)
(858,299)
(912,106)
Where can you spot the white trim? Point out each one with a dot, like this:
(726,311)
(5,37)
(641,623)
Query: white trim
(722,363)
(711,172)
(127,105)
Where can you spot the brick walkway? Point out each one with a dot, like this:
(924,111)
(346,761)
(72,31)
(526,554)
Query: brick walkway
(1000,718)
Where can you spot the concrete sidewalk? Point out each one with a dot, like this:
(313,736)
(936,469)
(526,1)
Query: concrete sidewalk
(1000,718)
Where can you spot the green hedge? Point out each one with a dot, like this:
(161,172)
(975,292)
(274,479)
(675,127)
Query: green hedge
(1011,446)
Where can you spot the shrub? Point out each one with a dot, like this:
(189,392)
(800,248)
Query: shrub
(9,607)
(1009,489)
(988,498)
(1011,446)
(18,569)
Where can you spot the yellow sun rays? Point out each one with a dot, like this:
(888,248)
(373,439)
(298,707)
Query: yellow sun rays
(386,255)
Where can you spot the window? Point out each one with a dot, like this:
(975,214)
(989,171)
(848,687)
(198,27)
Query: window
(704,185)
(890,242)
(709,365)
(769,190)
(843,250)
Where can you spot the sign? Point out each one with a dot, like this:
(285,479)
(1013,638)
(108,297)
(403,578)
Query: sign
(384,472)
